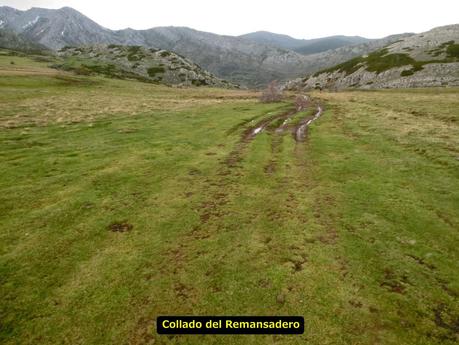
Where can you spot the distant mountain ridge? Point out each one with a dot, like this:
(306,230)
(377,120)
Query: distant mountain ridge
(237,59)
(304,46)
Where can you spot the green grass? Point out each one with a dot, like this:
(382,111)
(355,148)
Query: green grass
(21,59)
(354,229)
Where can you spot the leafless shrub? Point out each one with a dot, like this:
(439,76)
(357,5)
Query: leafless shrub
(272,93)
(301,102)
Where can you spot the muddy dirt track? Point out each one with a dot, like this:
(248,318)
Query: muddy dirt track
(226,185)
(298,131)
(230,166)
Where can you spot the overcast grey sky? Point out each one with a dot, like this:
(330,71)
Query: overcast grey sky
(300,19)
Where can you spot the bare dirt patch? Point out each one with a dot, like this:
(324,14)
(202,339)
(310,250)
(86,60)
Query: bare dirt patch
(182,291)
(444,318)
(143,332)
(421,262)
(122,226)
(330,237)
(394,283)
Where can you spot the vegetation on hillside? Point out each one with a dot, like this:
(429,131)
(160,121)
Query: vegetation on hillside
(138,63)
(452,50)
(382,60)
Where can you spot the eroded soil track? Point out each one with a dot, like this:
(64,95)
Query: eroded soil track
(226,185)
(276,126)
(258,194)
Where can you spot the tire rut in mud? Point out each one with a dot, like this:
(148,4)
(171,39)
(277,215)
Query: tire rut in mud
(253,131)
(222,186)
(230,167)
(301,129)
(219,189)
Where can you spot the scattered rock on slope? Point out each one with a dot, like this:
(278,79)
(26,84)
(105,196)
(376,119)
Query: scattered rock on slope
(238,59)
(424,60)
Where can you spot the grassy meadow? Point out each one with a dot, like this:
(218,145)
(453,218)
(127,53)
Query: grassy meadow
(121,201)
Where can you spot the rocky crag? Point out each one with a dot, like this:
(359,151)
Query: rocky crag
(429,59)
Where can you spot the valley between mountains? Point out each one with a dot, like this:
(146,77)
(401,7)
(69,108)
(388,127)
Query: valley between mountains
(250,60)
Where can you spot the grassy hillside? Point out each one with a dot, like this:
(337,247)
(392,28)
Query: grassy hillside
(121,201)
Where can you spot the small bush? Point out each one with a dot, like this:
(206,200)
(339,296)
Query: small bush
(134,49)
(199,82)
(418,65)
(134,57)
(453,51)
(379,62)
(407,73)
(108,70)
(446,44)
(349,66)
(272,93)
(135,53)
(301,102)
(63,49)
(82,70)
(153,71)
